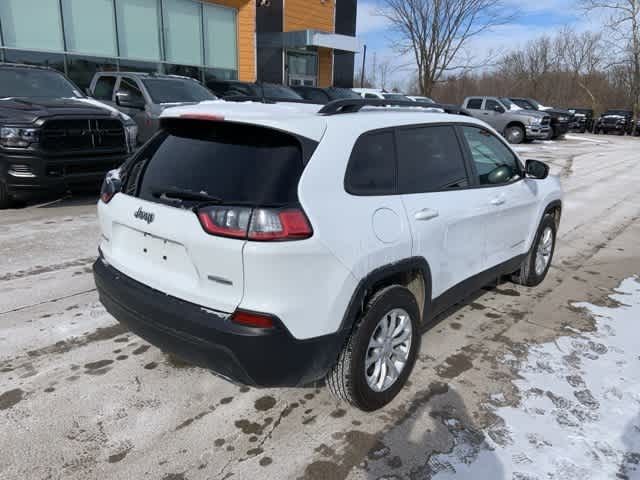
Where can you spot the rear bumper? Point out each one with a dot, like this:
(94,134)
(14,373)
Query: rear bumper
(256,357)
(37,175)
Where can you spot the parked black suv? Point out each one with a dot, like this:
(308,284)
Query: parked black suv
(323,96)
(53,138)
(582,120)
(560,119)
(619,121)
(233,90)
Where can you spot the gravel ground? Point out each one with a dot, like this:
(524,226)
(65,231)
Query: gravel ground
(82,398)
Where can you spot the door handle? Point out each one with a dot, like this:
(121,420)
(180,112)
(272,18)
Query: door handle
(497,202)
(426,214)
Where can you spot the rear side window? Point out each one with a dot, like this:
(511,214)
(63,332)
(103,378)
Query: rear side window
(104,88)
(430,160)
(239,164)
(474,104)
(372,167)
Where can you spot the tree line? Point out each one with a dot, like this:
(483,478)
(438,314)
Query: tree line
(569,69)
(595,70)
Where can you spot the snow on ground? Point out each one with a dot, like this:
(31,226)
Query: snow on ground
(579,415)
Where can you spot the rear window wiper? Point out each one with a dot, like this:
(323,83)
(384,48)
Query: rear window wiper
(184,194)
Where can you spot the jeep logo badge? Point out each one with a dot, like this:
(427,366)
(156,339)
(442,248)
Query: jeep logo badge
(142,215)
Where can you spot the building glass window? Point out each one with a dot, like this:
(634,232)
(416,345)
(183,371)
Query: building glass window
(183,31)
(211,74)
(138,29)
(134,66)
(81,69)
(220,37)
(184,70)
(31,24)
(43,59)
(89,26)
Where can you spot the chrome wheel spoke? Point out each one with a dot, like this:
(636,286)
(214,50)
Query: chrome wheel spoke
(388,350)
(374,357)
(544,249)
(401,338)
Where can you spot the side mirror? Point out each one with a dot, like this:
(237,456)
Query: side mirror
(499,175)
(536,169)
(88,92)
(126,100)
(499,109)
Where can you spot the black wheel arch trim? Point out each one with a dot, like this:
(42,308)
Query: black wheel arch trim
(554,205)
(368,283)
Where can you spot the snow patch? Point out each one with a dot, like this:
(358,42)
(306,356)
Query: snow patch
(579,417)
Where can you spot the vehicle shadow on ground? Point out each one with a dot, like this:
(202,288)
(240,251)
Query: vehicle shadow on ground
(434,438)
(630,466)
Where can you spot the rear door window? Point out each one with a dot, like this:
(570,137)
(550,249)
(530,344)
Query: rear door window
(474,104)
(239,164)
(104,88)
(430,160)
(372,167)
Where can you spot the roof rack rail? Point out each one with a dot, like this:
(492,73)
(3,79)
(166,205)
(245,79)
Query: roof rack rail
(353,105)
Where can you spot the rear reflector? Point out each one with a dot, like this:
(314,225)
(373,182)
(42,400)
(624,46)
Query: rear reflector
(251,319)
(203,116)
(258,224)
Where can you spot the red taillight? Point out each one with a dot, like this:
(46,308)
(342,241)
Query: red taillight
(252,319)
(225,221)
(111,185)
(259,224)
(107,196)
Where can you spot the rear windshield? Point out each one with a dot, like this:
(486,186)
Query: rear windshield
(238,164)
(176,90)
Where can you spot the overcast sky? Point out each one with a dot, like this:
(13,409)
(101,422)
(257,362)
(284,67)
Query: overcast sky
(538,17)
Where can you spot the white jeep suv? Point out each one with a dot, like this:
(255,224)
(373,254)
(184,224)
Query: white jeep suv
(278,246)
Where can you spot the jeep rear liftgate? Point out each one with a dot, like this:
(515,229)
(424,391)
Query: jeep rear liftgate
(195,194)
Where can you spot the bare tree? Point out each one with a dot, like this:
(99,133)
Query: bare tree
(436,32)
(581,55)
(624,29)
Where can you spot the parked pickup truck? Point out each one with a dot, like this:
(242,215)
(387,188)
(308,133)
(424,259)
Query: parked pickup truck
(516,124)
(619,121)
(560,119)
(53,138)
(144,96)
(582,120)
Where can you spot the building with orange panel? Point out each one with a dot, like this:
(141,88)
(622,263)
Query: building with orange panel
(203,39)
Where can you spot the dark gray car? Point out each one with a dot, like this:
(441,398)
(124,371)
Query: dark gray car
(143,96)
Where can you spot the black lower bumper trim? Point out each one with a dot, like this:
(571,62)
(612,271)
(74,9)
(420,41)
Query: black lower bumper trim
(255,357)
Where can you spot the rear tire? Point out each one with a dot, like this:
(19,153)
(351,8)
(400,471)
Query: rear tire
(4,196)
(350,379)
(537,262)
